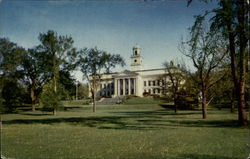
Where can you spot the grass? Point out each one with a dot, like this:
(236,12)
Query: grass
(139,131)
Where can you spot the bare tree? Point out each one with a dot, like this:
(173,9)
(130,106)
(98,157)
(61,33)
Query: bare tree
(207,50)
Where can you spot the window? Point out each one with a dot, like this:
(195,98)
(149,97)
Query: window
(153,83)
(159,90)
(135,60)
(158,82)
(149,83)
(132,91)
(135,52)
(145,83)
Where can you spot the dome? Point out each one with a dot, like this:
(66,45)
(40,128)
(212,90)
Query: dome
(136,47)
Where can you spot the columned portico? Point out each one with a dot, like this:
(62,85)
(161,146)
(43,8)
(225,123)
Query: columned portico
(125,86)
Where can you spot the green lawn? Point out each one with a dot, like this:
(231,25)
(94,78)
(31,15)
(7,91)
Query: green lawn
(141,131)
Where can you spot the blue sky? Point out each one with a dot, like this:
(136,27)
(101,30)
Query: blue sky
(113,26)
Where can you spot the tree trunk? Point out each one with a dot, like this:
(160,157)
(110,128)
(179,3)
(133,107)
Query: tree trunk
(33,99)
(204,104)
(242,115)
(54,111)
(55,90)
(94,103)
(232,102)
(55,87)
(242,64)
(175,104)
(94,98)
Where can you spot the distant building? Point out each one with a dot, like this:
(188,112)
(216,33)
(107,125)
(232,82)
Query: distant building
(135,81)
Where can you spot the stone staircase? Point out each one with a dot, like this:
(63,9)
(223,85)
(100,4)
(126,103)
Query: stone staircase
(109,101)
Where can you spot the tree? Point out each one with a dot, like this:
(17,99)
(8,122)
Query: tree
(93,63)
(11,56)
(175,75)
(207,50)
(232,18)
(60,54)
(35,73)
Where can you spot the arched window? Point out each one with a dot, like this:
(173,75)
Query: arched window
(135,52)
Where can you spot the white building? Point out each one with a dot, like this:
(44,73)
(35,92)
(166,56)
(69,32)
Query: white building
(135,81)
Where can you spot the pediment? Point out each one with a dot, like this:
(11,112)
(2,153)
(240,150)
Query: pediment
(126,73)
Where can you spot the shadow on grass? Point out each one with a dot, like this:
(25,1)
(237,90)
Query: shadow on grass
(35,114)
(139,120)
(207,123)
(199,156)
(156,113)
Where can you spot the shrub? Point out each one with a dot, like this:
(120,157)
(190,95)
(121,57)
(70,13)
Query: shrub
(13,96)
(187,102)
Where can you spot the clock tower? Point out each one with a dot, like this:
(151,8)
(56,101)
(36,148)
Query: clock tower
(136,59)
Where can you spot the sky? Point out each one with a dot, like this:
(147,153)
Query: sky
(113,26)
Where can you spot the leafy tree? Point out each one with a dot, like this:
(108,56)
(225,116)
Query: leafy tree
(60,55)
(175,78)
(207,50)
(93,63)
(35,73)
(232,18)
(11,56)
(59,51)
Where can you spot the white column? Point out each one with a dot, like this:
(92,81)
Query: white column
(118,87)
(135,86)
(129,86)
(124,87)
(106,89)
(115,87)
